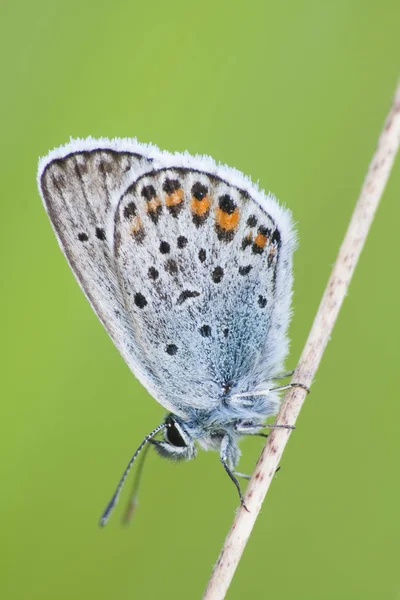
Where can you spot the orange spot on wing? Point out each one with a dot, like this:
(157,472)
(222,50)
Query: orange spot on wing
(175,198)
(136,225)
(226,221)
(260,240)
(153,204)
(200,207)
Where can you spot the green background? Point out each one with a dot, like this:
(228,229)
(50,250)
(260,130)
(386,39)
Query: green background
(294,94)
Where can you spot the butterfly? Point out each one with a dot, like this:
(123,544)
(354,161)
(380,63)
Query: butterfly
(188,265)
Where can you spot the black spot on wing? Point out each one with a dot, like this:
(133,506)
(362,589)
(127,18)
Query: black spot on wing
(185,295)
(199,191)
(148,192)
(171,266)
(217,274)
(247,241)
(245,270)
(100,233)
(130,210)
(164,247)
(262,302)
(276,238)
(171,349)
(227,204)
(140,300)
(182,241)
(171,185)
(153,273)
(205,330)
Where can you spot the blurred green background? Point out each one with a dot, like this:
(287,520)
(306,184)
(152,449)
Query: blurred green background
(294,94)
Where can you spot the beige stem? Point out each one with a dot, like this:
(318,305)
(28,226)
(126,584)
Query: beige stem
(320,333)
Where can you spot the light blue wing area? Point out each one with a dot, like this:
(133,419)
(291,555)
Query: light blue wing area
(206,276)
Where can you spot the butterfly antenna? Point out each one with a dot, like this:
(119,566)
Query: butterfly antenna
(110,506)
(133,501)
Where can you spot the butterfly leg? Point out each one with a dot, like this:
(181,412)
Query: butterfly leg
(242,475)
(289,386)
(240,398)
(250,428)
(229,457)
(248,477)
(285,375)
(254,428)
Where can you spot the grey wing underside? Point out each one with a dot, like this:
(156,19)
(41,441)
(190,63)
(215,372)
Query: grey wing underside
(195,321)
(80,192)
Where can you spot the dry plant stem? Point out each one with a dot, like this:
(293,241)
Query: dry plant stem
(320,333)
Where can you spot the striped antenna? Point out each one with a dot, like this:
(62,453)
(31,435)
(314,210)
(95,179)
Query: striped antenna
(133,500)
(110,506)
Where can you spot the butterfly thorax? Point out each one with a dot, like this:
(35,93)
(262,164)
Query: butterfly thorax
(217,428)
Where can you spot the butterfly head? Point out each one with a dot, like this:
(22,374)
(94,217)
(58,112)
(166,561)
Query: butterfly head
(178,443)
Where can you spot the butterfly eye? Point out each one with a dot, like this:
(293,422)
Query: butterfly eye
(173,434)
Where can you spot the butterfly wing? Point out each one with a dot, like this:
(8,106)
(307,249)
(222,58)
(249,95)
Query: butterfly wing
(186,263)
